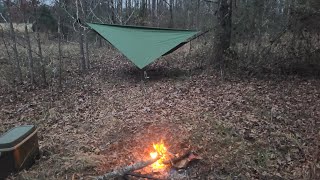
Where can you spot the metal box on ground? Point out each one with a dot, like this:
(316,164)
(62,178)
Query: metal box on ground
(18,149)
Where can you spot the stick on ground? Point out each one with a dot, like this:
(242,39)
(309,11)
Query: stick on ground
(124,170)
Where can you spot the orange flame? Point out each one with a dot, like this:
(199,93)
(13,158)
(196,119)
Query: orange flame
(161,151)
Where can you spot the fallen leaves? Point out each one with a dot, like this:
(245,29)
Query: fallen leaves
(250,129)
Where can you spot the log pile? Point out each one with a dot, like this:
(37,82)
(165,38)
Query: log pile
(125,171)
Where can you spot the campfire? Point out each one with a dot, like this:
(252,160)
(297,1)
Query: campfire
(160,160)
(161,153)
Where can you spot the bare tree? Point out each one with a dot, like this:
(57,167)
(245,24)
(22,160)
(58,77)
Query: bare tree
(143,12)
(86,41)
(113,12)
(5,43)
(223,40)
(171,6)
(24,6)
(82,59)
(41,59)
(198,14)
(81,38)
(14,45)
(153,10)
(42,63)
(30,58)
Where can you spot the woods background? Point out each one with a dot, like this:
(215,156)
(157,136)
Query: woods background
(245,95)
(251,37)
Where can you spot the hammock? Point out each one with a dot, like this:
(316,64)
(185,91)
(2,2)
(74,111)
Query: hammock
(143,45)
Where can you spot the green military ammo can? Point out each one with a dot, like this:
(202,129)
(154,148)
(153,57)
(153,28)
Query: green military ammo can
(18,149)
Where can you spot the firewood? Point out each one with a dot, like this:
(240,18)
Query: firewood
(176,159)
(124,170)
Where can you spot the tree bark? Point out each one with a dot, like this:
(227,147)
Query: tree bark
(224,31)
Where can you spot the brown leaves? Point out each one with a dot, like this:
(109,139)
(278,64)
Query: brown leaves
(249,127)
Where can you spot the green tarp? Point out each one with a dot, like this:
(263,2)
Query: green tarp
(143,45)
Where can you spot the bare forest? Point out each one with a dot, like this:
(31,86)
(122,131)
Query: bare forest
(243,98)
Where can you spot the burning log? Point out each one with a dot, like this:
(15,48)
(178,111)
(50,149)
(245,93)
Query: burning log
(182,161)
(123,171)
(159,161)
(179,158)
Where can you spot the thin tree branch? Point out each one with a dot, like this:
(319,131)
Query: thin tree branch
(166,2)
(3,18)
(91,11)
(129,17)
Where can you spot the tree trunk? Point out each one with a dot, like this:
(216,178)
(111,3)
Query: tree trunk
(128,11)
(82,62)
(41,59)
(153,11)
(198,14)
(171,13)
(100,41)
(159,7)
(59,46)
(87,50)
(82,59)
(86,36)
(14,46)
(6,46)
(31,73)
(42,64)
(23,8)
(119,11)
(113,13)
(143,12)
(224,31)
(225,19)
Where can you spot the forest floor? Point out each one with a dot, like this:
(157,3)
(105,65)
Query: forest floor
(243,128)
